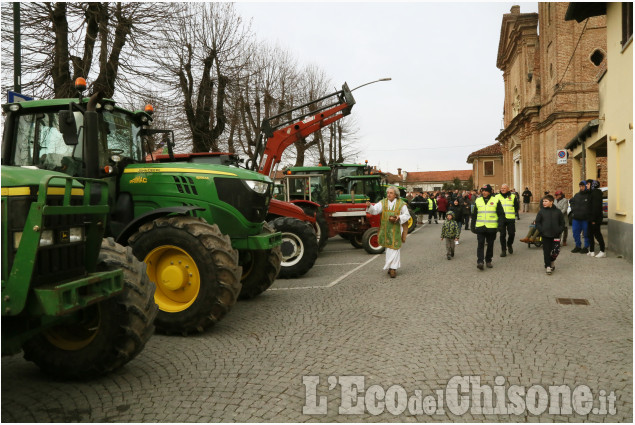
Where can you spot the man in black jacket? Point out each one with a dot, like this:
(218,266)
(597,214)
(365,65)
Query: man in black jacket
(486,218)
(595,218)
(550,223)
(420,205)
(581,212)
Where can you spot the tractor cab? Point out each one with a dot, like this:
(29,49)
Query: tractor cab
(308,183)
(362,188)
(39,128)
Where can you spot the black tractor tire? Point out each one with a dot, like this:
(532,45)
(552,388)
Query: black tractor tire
(299,246)
(370,241)
(195,269)
(321,227)
(356,240)
(260,269)
(111,333)
(412,223)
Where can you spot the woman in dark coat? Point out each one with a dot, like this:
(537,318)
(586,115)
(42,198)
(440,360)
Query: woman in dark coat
(550,224)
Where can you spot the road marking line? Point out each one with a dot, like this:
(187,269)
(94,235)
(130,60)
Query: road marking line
(340,264)
(341,250)
(335,282)
(299,287)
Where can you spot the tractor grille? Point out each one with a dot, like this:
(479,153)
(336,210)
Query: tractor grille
(61,260)
(236,193)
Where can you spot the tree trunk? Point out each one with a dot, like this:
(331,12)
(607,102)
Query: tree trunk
(60,72)
(108,69)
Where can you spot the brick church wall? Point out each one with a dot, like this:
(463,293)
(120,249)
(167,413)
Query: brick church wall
(545,110)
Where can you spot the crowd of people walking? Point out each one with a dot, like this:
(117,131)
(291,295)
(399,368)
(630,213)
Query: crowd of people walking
(488,214)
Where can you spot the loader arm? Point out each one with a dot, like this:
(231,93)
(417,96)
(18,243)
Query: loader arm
(282,135)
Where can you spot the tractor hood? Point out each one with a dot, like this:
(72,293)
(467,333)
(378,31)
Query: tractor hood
(29,177)
(209,170)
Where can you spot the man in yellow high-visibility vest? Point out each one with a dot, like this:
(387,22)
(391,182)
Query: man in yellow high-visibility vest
(487,215)
(508,226)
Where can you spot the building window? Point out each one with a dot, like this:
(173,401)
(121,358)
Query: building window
(627,22)
(597,57)
(488,168)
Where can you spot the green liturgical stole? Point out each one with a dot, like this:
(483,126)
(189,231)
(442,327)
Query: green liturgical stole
(390,233)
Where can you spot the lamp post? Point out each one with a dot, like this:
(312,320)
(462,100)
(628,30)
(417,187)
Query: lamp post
(376,81)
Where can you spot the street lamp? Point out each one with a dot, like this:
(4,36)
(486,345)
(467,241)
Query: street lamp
(376,81)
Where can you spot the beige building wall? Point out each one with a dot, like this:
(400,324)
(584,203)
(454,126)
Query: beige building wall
(478,171)
(617,109)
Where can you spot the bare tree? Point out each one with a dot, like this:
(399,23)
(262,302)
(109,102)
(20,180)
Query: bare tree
(267,88)
(201,55)
(97,41)
(313,85)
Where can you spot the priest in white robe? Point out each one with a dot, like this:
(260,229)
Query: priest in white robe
(394,213)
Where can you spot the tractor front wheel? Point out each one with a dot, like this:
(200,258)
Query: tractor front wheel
(370,241)
(412,222)
(106,335)
(195,269)
(320,226)
(299,246)
(260,268)
(356,240)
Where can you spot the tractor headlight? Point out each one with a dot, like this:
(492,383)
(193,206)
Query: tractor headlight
(17,237)
(257,186)
(76,234)
(46,238)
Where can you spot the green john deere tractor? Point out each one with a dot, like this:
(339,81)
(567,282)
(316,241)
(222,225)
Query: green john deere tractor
(198,227)
(78,305)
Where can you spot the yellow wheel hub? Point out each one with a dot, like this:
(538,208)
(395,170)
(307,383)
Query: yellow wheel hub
(75,336)
(176,276)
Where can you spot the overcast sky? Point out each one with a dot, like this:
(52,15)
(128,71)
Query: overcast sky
(445,99)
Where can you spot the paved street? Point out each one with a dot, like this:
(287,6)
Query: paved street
(438,319)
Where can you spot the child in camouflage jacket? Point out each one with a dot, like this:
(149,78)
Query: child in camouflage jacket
(451,232)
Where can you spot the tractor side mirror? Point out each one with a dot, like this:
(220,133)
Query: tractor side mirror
(68,127)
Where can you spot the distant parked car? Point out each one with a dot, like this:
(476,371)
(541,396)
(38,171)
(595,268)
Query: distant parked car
(605,207)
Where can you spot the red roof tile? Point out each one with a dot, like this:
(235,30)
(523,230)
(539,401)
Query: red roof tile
(491,150)
(438,176)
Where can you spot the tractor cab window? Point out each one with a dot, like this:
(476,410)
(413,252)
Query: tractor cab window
(119,137)
(342,172)
(39,143)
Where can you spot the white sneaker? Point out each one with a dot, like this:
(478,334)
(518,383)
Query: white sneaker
(548,270)
(591,254)
(601,254)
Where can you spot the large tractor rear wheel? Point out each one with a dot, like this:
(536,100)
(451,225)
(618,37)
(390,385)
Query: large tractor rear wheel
(109,334)
(260,268)
(299,246)
(371,241)
(195,269)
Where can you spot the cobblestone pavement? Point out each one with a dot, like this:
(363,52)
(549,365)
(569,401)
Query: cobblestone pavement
(436,320)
